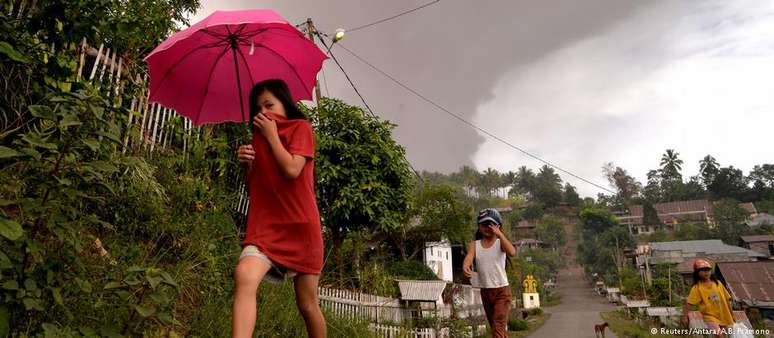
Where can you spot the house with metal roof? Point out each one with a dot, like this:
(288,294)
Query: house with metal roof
(763,244)
(751,285)
(683,253)
(672,214)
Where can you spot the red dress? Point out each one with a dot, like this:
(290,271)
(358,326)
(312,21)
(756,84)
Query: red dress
(283,220)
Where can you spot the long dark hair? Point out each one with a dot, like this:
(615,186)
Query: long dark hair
(280,90)
(697,279)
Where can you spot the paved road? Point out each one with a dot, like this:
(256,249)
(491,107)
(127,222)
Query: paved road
(579,310)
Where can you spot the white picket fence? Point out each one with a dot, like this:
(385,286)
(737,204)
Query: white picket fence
(352,305)
(381,310)
(390,331)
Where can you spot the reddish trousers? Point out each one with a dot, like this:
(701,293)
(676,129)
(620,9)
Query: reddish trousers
(497,305)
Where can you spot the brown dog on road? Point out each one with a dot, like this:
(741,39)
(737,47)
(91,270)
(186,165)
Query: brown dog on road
(599,330)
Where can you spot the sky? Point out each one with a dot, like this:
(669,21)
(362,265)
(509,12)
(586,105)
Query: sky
(577,83)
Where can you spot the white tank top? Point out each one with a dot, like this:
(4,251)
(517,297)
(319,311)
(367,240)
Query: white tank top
(490,266)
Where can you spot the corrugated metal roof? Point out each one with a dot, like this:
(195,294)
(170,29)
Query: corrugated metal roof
(749,207)
(710,246)
(758,238)
(761,219)
(751,281)
(428,291)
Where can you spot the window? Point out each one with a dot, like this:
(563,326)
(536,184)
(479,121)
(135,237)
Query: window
(431,251)
(531,298)
(771,249)
(447,255)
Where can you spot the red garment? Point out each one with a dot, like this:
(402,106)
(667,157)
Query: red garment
(283,220)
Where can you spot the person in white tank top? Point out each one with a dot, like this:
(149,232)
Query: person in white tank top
(489,255)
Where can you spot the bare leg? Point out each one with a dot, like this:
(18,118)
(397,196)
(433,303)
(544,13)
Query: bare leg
(247,276)
(309,305)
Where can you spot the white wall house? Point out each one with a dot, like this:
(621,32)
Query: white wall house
(438,256)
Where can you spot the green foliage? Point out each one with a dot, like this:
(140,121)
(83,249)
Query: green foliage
(533,212)
(650,215)
(516,324)
(729,218)
(571,196)
(595,221)
(438,212)
(363,179)
(692,231)
(729,183)
(550,230)
(414,270)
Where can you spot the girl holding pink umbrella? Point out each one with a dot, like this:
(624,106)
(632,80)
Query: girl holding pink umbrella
(217,70)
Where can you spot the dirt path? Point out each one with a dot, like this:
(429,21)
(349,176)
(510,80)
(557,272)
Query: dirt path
(579,309)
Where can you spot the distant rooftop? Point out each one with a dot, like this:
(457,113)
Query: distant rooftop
(712,246)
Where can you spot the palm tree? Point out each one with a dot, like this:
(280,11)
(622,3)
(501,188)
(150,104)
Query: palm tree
(671,164)
(708,167)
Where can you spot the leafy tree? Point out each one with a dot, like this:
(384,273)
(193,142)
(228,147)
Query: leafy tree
(443,213)
(363,179)
(595,221)
(729,183)
(708,169)
(650,215)
(571,196)
(692,231)
(652,191)
(526,182)
(626,185)
(729,218)
(763,173)
(551,231)
(549,189)
(671,165)
(533,212)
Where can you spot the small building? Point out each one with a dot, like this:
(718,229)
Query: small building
(424,297)
(529,243)
(683,253)
(524,229)
(763,244)
(438,257)
(672,214)
(613,294)
(751,284)
(759,220)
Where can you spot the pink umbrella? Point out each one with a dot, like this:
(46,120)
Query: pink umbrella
(206,71)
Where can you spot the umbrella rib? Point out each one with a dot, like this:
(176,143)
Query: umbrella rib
(249,72)
(209,77)
(169,70)
(214,34)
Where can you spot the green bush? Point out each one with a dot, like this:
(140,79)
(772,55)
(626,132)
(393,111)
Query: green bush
(535,312)
(516,324)
(412,270)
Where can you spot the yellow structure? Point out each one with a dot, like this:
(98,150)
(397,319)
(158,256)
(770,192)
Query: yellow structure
(531,297)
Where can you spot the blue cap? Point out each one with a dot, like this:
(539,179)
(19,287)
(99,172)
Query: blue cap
(489,214)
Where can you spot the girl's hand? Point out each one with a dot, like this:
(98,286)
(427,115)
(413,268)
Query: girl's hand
(496,230)
(265,125)
(467,271)
(246,154)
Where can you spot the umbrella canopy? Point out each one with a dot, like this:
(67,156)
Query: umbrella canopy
(206,71)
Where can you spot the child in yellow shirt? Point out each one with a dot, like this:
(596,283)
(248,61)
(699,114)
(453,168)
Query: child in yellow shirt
(711,297)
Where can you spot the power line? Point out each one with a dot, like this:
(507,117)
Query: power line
(345,73)
(358,93)
(463,120)
(392,17)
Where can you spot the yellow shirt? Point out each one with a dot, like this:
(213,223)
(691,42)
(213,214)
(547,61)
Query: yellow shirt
(712,299)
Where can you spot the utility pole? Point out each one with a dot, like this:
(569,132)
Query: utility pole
(311,31)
